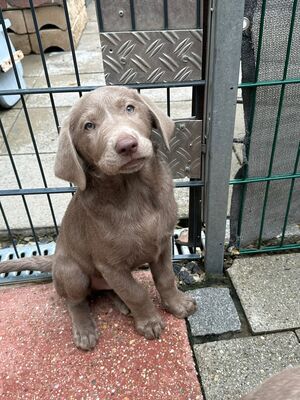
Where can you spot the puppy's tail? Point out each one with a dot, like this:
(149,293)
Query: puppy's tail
(37,263)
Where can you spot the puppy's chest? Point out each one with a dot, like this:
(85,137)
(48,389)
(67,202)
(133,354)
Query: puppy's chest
(140,240)
(136,231)
(139,223)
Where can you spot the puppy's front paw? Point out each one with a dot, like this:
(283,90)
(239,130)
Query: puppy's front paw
(85,336)
(150,328)
(181,305)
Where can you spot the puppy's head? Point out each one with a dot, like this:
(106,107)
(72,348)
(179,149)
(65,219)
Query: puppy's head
(109,129)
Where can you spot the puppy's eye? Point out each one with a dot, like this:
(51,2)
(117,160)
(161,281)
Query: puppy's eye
(130,108)
(89,126)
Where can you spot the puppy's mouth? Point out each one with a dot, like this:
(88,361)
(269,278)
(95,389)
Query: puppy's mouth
(133,165)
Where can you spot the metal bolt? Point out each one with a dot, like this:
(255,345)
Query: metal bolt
(121,13)
(123,60)
(187,169)
(181,126)
(185,59)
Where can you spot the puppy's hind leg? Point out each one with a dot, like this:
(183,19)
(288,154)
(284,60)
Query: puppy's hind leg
(72,284)
(85,333)
(118,302)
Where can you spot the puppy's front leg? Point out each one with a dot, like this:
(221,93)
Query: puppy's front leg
(147,320)
(174,301)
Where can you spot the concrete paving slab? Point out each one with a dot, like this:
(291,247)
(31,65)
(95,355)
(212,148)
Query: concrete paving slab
(28,171)
(40,361)
(30,81)
(63,99)
(91,11)
(8,118)
(176,94)
(32,65)
(30,177)
(239,127)
(62,63)
(268,288)
(91,27)
(238,151)
(44,129)
(235,166)
(179,109)
(39,209)
(89,41)
(232,368)
(216,313)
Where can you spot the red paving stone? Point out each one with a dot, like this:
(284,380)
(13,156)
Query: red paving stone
(40,361)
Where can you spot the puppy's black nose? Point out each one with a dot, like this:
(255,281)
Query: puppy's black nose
(126,145)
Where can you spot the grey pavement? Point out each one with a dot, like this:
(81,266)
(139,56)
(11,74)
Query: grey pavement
(269,290)
(232,368)
(267,287)
(216,313)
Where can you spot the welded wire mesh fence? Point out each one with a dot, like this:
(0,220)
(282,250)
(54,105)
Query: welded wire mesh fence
(265,211)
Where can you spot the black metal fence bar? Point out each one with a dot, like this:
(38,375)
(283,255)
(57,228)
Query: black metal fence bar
(10,235)
(21,191)
(72,47)
(33,13)
(27,118)
(68,89)
(132,14)
(20,187)
(198,14)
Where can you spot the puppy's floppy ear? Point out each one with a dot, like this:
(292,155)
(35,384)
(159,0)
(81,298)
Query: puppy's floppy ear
(67,162)
(162,122)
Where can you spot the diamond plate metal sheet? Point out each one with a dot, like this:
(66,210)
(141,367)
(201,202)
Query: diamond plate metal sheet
(185,149)
(152,56)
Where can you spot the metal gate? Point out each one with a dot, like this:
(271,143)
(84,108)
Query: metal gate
(187,145)
(204,39)
(183,31)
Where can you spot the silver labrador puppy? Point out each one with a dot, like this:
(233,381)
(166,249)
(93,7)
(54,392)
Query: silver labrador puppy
(121,216)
